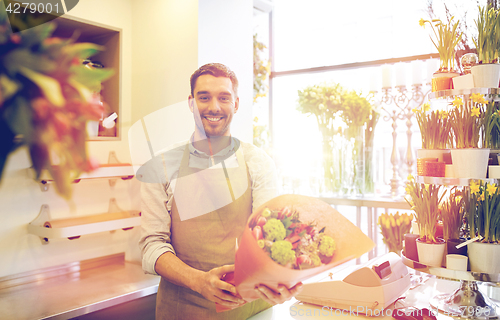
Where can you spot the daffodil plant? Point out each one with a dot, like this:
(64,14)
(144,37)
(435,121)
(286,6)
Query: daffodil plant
(434,127)
(491,131)
(425,200)
(452,214)
(483,211)
(488,35)
(467,120)
(393,228)
(446,39)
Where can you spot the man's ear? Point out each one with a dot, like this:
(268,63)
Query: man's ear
(191,103)
(236,104)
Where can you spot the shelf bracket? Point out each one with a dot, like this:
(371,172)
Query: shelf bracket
(112,159)
(43,216)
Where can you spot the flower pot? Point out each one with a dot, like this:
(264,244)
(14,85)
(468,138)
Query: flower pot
(456,262)
(465,81)
(411,251)
(451,247)
(470,163)
(442,80)
(484,257)
(431,254)
(435,169)
(422,165)
(494,172)
(443,155)
(486,75)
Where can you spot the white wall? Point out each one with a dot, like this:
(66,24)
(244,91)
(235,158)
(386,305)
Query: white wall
(163,42)
(21,197)
(225,36)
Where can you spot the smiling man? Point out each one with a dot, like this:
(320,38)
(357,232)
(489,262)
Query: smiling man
(196,199)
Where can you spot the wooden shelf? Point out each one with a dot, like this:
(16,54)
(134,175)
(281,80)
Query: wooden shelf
(123,171)
(72,228)
(109,37)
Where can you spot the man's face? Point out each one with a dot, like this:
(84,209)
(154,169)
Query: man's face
(214,104)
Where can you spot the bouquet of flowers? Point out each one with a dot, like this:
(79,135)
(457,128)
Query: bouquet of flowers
(47,96)
(338,242)
(290,242)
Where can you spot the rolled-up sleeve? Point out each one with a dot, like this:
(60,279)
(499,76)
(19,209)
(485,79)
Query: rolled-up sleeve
(155,225)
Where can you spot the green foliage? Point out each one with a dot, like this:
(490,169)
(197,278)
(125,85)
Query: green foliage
(483,211)
(452,214)
(46,98)
(425,200)
(261,69)
(446,39)
(488,35)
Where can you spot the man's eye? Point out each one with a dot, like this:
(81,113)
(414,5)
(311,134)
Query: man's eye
(224,99)
(203,98)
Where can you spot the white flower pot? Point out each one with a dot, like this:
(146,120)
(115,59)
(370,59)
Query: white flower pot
(431,254)
(465,81)
(470,163)
(494,172)
(484,257)
(486,75)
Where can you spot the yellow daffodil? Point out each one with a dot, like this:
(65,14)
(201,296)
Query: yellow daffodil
(410,177)
(478,98)
(457,102)
(426,107)
(421,22)
(481,198)
(474,187)
(475,112)
(443,114)
(491,188)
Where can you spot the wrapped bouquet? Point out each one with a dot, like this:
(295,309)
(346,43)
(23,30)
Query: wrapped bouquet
(290,239)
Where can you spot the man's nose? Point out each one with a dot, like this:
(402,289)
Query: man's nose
(214,105)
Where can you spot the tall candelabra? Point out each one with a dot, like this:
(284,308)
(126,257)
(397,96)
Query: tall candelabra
(398,106)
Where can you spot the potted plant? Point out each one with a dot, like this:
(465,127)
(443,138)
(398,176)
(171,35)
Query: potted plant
(483,216)
(435,132)
(467,124)
(452,215)
(424,201)
(393,228)
(446,39)
(486,74)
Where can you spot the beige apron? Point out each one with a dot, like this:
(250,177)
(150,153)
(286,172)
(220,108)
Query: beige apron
(206,241)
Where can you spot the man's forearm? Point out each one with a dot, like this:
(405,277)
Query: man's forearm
(176,271)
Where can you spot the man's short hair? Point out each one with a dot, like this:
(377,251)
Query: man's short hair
(216,70)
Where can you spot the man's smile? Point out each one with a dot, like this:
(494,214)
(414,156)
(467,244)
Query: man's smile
(213,119)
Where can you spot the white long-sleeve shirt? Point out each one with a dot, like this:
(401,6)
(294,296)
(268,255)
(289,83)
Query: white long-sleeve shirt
(158,183)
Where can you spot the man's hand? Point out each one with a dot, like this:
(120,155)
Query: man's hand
(214,289)
(272,297)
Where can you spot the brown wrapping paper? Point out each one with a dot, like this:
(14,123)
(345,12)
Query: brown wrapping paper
(253,266)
